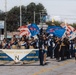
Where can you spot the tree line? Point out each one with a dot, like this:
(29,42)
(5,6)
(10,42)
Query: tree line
(13,16)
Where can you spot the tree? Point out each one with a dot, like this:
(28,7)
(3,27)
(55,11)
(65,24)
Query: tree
(74,25)
(13,16)
(2,15)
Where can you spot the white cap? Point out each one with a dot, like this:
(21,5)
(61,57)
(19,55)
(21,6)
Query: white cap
(35,37)
(51,35)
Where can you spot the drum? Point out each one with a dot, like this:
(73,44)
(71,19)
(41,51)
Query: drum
(14,47)
(31,47)
(22,47)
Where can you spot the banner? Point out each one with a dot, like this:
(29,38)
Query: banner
(34,29)
(72,36)
(56,30)
(69,29)
(19,55)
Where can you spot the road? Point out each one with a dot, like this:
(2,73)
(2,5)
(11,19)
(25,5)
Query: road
(67,67)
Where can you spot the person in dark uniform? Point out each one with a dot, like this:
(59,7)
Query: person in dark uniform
(41,51)
(50,46)
(75,47)
(62,49)
(57,47)
(33,43)
(0,45)
(4,44)
(71,48)
(67,51)
(45,47)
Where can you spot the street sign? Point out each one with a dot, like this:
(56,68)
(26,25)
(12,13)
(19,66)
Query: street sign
(1,24)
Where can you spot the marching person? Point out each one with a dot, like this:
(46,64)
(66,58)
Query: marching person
(50,46)
(42,53)
(62,49)
(33,43)
(22,43)
(57,47)
(67,51)
(0,45)
(13,42)
(4,44)
(75,47)
(45,48)
(71,48)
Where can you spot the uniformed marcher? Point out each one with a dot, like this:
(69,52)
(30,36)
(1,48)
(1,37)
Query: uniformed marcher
(41,53)
(45,48)
(13,42)
(57,47)
(62,49)
(22,43)
(33,43)
(50,46)
(71,48)
(67,51)
(4,43)
(75,47)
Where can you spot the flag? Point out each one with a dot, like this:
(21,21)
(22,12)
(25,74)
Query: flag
(69,29)
(22,28)
(34,29)
(24,31)
(72,36)
(56,30)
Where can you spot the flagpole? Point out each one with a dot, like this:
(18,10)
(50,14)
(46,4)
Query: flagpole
(40,17)
(5,26)
(20,14)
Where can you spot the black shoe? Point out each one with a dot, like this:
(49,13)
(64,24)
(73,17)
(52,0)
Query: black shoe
(45,63)
(62,59)
(58,60)
(51,57)
(42,64)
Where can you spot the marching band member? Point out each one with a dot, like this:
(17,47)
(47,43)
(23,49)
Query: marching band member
(50,46)
(4,43)
(57,47)
(62,49)
(13,43)
(22,43)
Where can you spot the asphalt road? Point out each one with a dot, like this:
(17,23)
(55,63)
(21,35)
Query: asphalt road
(67,67)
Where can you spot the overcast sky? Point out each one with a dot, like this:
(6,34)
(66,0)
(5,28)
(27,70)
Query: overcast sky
(58,8)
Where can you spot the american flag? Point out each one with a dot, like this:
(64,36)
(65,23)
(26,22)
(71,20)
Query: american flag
(73,35)
(22,28)
(24,31)
(69,29)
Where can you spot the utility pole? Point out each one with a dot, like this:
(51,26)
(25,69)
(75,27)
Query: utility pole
(34,16)
(40,17)
(5,25)
(20,14)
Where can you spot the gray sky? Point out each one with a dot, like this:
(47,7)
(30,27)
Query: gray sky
(60,9)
